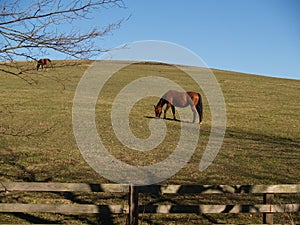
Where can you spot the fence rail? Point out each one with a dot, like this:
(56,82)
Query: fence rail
(133,208)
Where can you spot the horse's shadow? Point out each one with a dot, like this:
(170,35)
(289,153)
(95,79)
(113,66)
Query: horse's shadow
(169,119)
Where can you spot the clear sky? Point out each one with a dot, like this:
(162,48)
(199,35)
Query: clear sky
(252,36)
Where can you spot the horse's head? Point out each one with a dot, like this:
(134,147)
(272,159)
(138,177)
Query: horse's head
(158,111)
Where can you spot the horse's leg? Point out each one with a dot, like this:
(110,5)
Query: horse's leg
(173,111)
(199,108)
(193,107)
(194,113)
(167,108)
(200,112)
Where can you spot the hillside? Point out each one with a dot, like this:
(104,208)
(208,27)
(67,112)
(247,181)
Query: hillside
(261,144)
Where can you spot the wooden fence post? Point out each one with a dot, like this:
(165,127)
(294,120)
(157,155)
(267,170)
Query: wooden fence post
(268,217)
(133,198)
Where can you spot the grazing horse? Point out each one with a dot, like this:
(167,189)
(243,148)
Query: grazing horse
(43,62)
(180,99)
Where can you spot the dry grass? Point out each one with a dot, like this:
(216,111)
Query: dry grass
(261,145)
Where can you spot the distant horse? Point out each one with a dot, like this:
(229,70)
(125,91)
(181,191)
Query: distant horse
(180,99)
(43,62)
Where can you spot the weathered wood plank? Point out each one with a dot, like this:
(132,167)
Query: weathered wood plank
(62,187)
(197,209)
(155,189)
(267,208)
(220,189)
(64,208)
(161,209)
(133,202)
(268,217)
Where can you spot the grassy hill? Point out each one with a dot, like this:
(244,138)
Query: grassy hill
(261,144)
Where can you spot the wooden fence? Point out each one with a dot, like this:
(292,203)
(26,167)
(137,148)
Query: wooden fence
(133,208)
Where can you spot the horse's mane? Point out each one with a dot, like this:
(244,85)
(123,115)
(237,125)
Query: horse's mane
(161,102)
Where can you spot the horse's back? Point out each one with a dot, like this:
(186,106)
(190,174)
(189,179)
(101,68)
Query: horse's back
(176,98)
(169,95)
(44,61)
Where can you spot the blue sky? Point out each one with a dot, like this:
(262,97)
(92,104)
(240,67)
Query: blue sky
(252,36)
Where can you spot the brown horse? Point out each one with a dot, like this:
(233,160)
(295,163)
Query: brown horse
(180,99)
(43,62)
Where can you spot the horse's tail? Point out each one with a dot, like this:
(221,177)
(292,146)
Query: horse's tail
(50,62)
(199,108)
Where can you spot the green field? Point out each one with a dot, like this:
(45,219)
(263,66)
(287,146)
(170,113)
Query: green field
(261,144)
